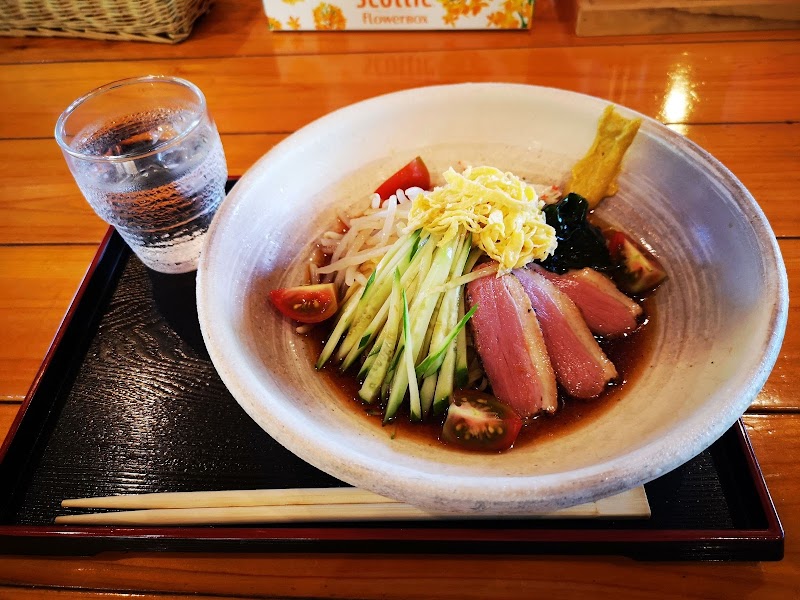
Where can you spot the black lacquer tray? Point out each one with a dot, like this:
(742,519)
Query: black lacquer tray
(128,401)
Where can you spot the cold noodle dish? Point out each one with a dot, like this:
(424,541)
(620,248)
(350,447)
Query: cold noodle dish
(480,305)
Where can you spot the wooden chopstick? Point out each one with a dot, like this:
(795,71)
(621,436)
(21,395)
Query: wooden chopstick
(296,506)
(239,515)
(272,497)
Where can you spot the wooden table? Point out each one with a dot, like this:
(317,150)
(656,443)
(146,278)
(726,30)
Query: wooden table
(738,96)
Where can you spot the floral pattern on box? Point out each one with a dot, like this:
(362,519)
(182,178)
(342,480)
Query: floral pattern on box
(294,15)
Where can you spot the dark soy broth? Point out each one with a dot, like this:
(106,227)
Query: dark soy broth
(629,354)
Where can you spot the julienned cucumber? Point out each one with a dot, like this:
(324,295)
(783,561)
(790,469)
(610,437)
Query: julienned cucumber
(462,361)
(443,320)
(462,364)
(408,283)
(447,315)
(420,310)
(378,368)
(345,317)
(407,325)
(413,388)
(397,257)
(431,364)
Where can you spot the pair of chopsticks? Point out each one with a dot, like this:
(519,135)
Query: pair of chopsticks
(241,507)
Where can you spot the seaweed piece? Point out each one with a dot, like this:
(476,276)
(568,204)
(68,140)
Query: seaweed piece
(580,244)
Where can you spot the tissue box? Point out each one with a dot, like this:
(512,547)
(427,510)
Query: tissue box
(304,15)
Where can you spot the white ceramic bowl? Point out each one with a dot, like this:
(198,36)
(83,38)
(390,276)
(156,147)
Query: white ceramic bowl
(720,321)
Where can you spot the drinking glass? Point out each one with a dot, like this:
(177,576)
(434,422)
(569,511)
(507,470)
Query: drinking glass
(147,157)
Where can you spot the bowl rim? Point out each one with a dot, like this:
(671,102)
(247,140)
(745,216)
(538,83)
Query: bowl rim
(520,493)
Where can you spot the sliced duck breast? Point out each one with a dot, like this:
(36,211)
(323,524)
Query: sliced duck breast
(606,310)
(581,366)
(511,345)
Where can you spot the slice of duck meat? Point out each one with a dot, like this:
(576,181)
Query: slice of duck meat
(581,366)
(511,346)
(606,310)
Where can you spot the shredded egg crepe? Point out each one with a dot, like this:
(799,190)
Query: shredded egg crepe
(503,213)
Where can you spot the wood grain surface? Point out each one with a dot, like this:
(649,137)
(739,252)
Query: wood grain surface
(731,82)
(630,17)
(740,99)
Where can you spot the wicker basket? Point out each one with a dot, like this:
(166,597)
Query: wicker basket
(166,21)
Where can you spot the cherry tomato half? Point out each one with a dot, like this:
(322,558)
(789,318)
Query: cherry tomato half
(478,421)
(414,174)
(306,303)
(641,271)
